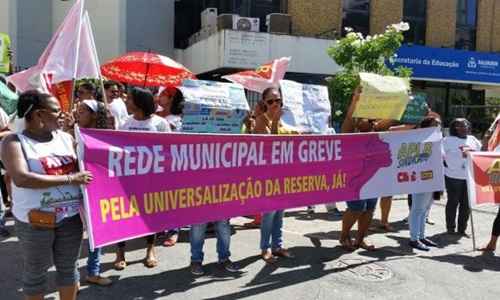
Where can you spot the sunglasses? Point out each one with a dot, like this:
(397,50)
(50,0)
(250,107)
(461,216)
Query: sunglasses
(272,101)
(57,112)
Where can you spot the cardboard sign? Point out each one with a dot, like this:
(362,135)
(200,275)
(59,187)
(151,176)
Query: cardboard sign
(416,110)
(483,178)
(382,97)
(306,107)
(4,53)
(213,107)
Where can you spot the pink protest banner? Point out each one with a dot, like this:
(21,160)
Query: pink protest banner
(483,178)
(148,182)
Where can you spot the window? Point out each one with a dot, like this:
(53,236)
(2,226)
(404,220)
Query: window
(414,13)
(466,24)
(356,15)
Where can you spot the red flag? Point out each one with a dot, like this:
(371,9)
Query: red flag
(263,77)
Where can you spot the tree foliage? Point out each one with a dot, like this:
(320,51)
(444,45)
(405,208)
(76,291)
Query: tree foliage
(356,53)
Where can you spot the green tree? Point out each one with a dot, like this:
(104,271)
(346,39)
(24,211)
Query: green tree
(356,53)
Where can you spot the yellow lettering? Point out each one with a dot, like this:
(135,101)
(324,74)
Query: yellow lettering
(159,202)
(104,204)
(190,197)
(115,208)
(149,205)
(234,193)
(207,196)
(182,198)
(134,208)
(199,196)
(269,187)
(276,189)
(172,195)
(287,185)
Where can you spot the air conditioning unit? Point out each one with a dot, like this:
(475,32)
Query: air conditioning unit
(225,21)
(209,17)
(278,23)
(206,32)
(246,24)
(195,38)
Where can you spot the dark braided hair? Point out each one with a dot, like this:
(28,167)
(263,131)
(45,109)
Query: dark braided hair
(101,116)
(30,101)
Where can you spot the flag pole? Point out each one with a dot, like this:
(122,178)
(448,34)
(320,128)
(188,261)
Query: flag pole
(77,56)
(473,231)
(98,65)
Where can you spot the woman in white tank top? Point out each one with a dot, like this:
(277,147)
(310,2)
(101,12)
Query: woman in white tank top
(43,165)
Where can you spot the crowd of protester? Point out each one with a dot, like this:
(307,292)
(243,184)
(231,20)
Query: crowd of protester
(48,135)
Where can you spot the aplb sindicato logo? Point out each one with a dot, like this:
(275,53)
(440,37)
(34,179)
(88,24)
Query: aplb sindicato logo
(472,64)
(494,172)
(413,153)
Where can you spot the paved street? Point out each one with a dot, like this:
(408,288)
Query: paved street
(322,270)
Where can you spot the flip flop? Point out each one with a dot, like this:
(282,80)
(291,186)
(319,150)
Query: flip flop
(171,241)
(347,244)
(252,224)
(151,263)
(268,257)
(365,246)
(487,249)
(120,265)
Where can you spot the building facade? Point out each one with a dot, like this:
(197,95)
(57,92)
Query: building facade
(119,26)
(462,31)
(467,32)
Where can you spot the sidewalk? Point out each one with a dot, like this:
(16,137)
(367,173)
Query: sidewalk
(322,270)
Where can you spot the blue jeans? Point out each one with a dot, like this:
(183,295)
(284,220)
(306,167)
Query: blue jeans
(420,206)
(197,240)
(93,262)
(271,228)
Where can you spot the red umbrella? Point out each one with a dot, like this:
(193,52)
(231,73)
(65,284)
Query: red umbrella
(146,69)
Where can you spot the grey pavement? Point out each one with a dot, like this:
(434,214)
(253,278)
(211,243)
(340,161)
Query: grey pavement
(322,270)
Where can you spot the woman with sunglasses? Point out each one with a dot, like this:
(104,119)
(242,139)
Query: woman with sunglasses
(46,195)
(272,222)
(455,148)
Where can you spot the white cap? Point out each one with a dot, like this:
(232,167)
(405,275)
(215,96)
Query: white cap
(92,104)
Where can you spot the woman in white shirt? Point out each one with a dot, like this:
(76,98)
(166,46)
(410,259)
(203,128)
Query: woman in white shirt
(170,107)
(46,196)
(140,103)
(455,148)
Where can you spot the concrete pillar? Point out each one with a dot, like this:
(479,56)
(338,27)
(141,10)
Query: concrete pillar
(384,13)
(310,18)
(441,23)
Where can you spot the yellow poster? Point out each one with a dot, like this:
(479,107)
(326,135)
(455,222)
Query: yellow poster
(382,97)
(4,53)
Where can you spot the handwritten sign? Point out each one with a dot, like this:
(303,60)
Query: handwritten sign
(306,107)
(382,97)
